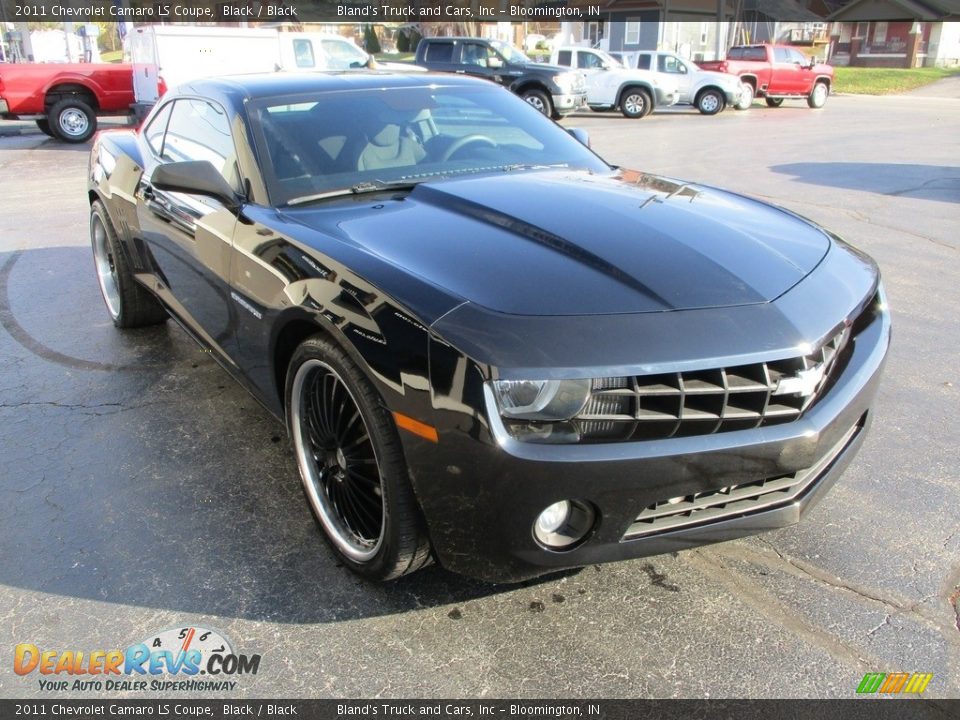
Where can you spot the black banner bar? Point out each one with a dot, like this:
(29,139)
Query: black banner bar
(350,11)
(856,709)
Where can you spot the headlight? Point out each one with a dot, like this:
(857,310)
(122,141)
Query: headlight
(568,81)
(541,399)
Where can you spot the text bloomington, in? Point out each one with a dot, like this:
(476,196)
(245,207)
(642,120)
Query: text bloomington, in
(407,12)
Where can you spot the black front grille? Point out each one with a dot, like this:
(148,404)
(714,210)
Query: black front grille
(678,404)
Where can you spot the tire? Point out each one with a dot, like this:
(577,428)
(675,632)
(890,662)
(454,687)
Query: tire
(635,103)
(128,302)
(72,120)
(818,96)
(710,102)
(746,97)
(44,126)
(351,464)
(774,102)
(540,100)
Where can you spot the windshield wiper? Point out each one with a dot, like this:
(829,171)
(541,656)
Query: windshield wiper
(358,189)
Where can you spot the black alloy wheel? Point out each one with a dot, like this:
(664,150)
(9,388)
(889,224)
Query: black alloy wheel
(351,464)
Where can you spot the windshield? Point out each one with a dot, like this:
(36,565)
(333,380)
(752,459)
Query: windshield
(314,146)
(342,54)
(509,52)
(608,59)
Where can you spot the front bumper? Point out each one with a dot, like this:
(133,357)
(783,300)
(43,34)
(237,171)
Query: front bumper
(565,104)
(733,96)
(481,490)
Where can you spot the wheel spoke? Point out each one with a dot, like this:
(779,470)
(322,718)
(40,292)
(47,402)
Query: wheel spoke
(365,520)
(356,443)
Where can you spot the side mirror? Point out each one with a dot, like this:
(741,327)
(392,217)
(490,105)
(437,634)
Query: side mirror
(494,62)
(195,177)
(581,135)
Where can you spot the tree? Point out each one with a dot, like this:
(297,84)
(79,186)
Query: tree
(370,39)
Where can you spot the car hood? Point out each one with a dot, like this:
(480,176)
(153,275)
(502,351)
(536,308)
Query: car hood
(721,78)
(575,243)
(546,67)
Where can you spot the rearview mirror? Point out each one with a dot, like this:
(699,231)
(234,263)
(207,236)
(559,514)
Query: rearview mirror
(581,135)
(196,177)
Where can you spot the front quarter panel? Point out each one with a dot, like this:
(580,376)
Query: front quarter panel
(281,284)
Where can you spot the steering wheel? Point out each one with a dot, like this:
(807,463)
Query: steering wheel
(463,142)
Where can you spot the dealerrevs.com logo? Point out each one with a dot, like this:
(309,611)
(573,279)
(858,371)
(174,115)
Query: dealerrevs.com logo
(186,658)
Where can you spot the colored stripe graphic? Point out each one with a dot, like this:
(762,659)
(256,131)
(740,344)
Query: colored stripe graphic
(871,682)
(918,683)
(892,683)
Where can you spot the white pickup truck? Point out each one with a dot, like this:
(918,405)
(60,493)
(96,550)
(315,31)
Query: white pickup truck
(710,92)
(611,86)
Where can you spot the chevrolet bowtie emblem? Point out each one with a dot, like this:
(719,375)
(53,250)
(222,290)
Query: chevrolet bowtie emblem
(804,383)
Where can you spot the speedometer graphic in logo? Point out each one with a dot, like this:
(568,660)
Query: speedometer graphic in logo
(184,639)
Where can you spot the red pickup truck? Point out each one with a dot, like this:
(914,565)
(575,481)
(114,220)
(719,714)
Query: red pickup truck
(65,99)
(775,72)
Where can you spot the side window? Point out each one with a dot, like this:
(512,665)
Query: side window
(440,52)
(199,130)
(474,54)
(303,53)
(154,131)
(588,61)
(643,61)
(669,64)
(564,57)
(781,55)
(798,57)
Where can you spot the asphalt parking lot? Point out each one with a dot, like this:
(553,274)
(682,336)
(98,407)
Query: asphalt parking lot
(142,489)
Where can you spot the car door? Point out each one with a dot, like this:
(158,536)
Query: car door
(785,78)
(805,73)
(674,72)
(189,237)
(602,85)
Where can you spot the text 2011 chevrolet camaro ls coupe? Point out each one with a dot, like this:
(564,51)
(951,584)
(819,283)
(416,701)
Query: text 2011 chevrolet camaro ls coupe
(490,347)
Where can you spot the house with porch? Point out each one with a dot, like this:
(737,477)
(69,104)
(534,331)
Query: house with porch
(896,33)
(696,29)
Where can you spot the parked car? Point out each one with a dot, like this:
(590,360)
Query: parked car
(776,73)
(610,86)
(65,99)
(489,346)
(553,90)
(165,56)
(709,92)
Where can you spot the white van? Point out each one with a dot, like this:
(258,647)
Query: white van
(164,56)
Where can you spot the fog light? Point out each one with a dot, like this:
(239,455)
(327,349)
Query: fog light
(563,524)
(553,518)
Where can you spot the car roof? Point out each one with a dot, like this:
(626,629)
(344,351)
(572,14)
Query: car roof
(254,86)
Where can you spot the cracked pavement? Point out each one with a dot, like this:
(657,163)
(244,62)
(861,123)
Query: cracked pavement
(141,489)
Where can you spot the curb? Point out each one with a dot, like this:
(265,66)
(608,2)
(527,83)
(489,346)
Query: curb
(16,131)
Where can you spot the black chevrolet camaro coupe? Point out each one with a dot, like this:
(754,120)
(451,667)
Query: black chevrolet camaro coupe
(490,347)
